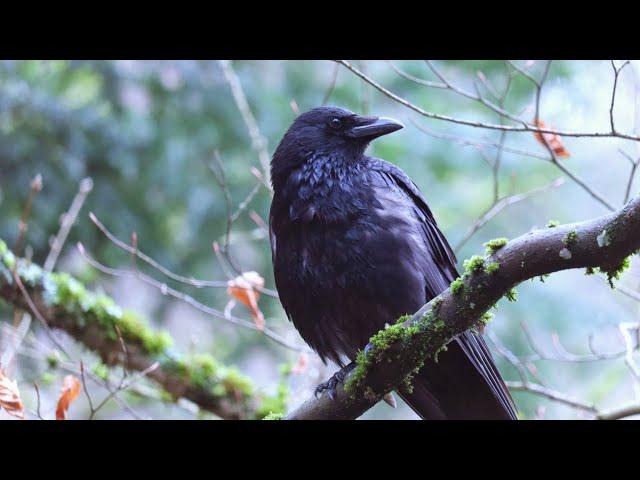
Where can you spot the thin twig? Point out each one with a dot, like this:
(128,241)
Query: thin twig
(625,329)
(332,84)
(68,219)
(477,143)
(475,97)
(634,166)
(157,266)
(552,395)
(35,188)
(217,168)
(616,74)
(628,292)
(509,356)
(576,179)
(86,390)
(501,204)
(124,385)
(552,154)
(561,354)
(166,290)
(38,414)
(23,225)
(258,141)
(619,413)
(38,315)
(414,79)
(539,84)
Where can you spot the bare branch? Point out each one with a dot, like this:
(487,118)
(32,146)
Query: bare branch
(509,356)
(539,85)
(38,401)
(616,74)
(618,413)
(524,128)
(414,79)
(478,143)
(258,141)
(552,395)
(188,299)
(68,219)
(632,174)
(625,330)
(497,206)
(35,188)
(628,292)
(523,72)
(477,97)
(165,271)
(332,85)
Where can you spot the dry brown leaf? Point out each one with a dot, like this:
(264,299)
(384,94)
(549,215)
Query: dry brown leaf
(70,391)
(243,289)
(10,396)
(552,140)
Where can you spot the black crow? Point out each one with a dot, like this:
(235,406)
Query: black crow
(354,246)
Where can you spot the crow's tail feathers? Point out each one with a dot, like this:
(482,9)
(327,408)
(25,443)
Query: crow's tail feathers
(463,384)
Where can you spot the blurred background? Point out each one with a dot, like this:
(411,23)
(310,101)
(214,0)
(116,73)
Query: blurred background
(154,135)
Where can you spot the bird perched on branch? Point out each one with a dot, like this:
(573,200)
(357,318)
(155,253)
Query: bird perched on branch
(355,246)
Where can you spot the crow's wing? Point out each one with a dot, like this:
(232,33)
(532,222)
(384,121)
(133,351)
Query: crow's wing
(279,279)
(460,393)
(434,239)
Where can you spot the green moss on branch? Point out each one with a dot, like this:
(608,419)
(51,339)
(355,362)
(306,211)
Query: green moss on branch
(405,341)
(496,244)
(473,264)
(457,286)
(492,267)
(98,322)
(274,416)
(64,291)
(570,238)
(612,272)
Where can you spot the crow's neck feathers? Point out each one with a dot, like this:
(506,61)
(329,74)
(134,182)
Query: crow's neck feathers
(326,188)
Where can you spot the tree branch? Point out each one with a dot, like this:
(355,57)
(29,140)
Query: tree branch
(524,126)
(258,141)
(618,413)
(102,326)
(396,352)
(552,395)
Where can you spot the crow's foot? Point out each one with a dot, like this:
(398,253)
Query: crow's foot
(331,385)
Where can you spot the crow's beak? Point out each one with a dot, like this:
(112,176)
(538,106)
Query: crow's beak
(376,127)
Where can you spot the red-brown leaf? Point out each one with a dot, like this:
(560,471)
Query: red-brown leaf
(70,391)
(244,289)
(552,140)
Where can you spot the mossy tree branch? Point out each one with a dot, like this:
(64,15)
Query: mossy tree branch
(395,353)
(98,322)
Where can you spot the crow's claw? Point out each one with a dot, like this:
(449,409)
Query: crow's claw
(331,385)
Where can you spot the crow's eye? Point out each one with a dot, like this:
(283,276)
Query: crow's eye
(335,123)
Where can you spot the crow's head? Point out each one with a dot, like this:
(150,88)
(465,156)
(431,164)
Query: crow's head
(329,132)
